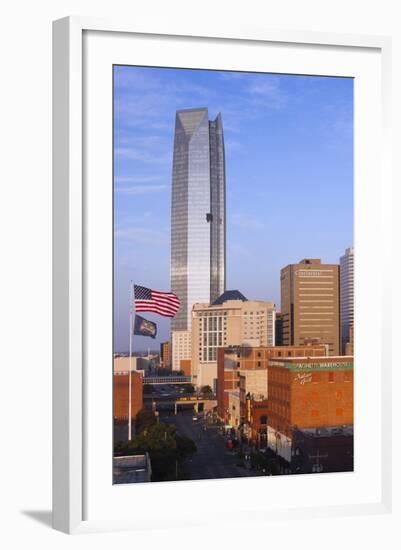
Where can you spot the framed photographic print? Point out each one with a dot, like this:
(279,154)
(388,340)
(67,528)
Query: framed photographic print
(213,336)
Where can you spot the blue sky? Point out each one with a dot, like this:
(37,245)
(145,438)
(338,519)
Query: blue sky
(289,176)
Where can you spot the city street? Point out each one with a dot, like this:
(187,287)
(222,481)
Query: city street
(212,460)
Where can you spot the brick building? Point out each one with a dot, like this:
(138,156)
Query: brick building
(256,421)
(121,394)
(165,354)
(308,394)
(323,450)
(185,366)
(236,361)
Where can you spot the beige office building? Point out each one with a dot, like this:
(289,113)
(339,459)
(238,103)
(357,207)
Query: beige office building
(181,347)
(231,320)
(310,304)
(122,363)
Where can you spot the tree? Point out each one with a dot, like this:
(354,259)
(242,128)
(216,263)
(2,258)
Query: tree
(188,388)
(155,437)
(159,441)
(165,447)
(144,419)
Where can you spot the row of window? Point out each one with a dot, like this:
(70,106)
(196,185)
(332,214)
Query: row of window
(284,411)
(225,313)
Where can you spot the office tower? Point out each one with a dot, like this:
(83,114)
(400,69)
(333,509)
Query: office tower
(229,320)
(279,329)
(181,348)
(197,213)
(165,356)
(347,298)
(349,346)
(310,304)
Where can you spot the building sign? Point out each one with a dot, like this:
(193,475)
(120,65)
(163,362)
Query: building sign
(303,378)
(305,367)
(309,273)
(308,367)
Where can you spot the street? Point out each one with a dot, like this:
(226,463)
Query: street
(212,460)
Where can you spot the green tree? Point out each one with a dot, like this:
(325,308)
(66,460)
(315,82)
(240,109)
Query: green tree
(166,449)
(154,437)
(144,419)
(188,388)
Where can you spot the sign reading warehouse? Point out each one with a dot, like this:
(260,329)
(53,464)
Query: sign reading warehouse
(305,367)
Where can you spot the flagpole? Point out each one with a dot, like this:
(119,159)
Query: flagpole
(130,367)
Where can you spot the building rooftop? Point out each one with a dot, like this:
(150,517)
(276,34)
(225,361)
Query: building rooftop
(192,109)
(229,295)
(315,359)
(131,469)
(311,261)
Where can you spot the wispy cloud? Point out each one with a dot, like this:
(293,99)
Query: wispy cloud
(238,250)
(141,235)
(338,127)
(140,189)
(246,221)
(232,75)
(267,92)
(135,179)
(148,156)
(147,149)
(233,146)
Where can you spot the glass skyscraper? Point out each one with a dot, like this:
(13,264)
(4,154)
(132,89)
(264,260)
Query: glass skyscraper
(347,296)
(198,220)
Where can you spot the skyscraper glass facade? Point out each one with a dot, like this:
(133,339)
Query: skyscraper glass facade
(197,212)
(347,295)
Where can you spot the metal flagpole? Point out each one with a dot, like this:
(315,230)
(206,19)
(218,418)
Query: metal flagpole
(130,365)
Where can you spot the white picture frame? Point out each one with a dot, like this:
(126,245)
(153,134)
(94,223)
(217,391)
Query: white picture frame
(71,418)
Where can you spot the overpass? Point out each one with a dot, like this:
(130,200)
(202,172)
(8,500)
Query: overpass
(207,402)
(195,400)
(154,380)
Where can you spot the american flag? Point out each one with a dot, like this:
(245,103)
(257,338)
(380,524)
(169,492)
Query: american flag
(163,303)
